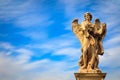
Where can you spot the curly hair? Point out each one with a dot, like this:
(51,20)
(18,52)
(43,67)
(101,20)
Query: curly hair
(88,14)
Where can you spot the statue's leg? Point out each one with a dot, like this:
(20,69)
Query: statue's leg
(85,47)
(84,57)
(80,62)
(93,56)
(96,62)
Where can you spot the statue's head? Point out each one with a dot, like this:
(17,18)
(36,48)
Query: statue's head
(88,15)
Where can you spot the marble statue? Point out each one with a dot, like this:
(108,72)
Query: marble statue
(90,36)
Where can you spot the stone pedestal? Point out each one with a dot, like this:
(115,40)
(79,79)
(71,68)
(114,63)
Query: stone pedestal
(90,76)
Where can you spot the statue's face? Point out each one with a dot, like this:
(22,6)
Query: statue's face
(87,17)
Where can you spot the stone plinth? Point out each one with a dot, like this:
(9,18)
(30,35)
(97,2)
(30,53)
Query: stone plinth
(90,76)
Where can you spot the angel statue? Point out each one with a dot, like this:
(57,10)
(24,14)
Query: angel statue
(90,36)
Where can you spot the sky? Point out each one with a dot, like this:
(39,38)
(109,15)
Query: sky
(37,42)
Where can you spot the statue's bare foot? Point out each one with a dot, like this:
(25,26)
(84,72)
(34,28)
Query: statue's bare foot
(98,70)
(91,71)
(83,67)
(82,70)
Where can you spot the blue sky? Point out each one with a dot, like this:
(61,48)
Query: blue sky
(37,42)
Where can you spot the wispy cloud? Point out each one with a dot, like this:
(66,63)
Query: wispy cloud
(38,35)
(74,7)
(27,15)
(12,9)
(34,70)
(111,57)
(33,20)
(24,55)
(112,42)
(6,45)
(19,67)
(17,12)
(65,43)
(70,52)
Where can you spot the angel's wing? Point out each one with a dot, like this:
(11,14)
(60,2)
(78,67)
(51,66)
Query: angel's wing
(77,29)
(75,25)
(104,30)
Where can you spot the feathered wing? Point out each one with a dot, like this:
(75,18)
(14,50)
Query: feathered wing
(102,35)
(75,25)
(77,29)
(103,30)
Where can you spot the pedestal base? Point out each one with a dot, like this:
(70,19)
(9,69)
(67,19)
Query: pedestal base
(90,76)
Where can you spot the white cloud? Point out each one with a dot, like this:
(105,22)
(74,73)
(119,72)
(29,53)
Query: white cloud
(74,7)
(11,9)
(24,55)
(43,69)
(24,13)
(68,25)
(6,48)
(35,20)
(112,41)
(107,7)
(35,35)
(110,60)
(36,64)
(107,11)
(69,51)
(56,76)
(58,45)
(56,70)
(20,67)
(111,57)
(8,66)
(113,75)
(6,45)
(29,15)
